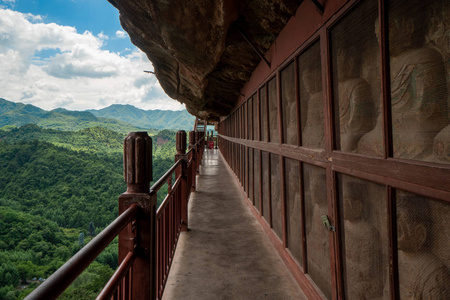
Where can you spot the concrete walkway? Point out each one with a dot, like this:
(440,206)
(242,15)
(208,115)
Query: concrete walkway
(225,254)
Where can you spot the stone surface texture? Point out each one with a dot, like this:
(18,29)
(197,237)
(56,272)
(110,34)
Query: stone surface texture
(225,254)
(197,48)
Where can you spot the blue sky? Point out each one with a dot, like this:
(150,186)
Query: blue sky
(96,16)
(73,54)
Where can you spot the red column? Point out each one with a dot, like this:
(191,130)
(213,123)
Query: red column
(182,173)
(141,235)
(192,142)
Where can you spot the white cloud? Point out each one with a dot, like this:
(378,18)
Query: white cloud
(102,36)
(121,34)
(50,66)
(7,3)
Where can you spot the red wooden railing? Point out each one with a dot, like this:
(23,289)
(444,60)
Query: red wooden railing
(147,238)
(168,227)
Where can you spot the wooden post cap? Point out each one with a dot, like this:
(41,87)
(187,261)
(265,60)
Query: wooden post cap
(191,138)
(181,142)
(137,162)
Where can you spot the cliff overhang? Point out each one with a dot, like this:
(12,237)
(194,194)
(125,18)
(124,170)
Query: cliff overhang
(204,51)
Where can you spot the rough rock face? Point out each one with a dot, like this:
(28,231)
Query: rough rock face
(197,47)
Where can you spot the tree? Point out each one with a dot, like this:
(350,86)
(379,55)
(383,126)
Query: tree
(81,239)
(91,230)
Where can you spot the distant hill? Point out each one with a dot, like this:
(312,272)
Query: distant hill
(93,140)
(18,114)
(157,119)
(120,118)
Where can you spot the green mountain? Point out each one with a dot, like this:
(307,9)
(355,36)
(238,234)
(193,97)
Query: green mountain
(18,114)
(94,140)
(101,142)
(53,185)
(49,196)
(157,119)
(120,118)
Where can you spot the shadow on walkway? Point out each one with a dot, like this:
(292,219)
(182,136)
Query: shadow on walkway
(225,254)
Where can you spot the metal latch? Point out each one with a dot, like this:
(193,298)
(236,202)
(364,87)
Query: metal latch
(326,222)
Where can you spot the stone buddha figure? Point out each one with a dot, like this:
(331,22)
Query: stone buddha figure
(312,127)
(317,236)
(363,264)
(438,35)
(355,99)
(275,194)
(441,146)
(273,111)
(418,92)
(292,128)
(294,209)
(422,275)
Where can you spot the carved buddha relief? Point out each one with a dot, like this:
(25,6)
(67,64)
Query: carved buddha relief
(438,36)
(263,109)
(311,97)
(265,187)
(355,109)
(364,253)
(257,178)
(355,104)
(273,110)
(251,171)
(250,118)
(256,124)
(419,92)
(293,209)
(289,105)
(422,274)
(317,236)
(277,222)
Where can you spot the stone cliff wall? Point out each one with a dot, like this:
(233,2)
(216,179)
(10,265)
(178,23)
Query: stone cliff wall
(198,49)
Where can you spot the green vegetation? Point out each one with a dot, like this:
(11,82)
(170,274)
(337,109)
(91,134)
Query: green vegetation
(19,114)
(96,140)
(158,119)
(57,190)
(120,118)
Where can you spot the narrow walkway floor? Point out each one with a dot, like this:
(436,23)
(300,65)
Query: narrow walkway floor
(225,254)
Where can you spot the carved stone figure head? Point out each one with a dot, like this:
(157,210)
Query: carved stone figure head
(311,78)
(413,222)
(405,31)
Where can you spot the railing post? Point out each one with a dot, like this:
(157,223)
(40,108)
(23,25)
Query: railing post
(194,158)
(203,143)
(182,173)
(140,236)
(197,152)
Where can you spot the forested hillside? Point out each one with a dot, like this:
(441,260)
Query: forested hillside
(68,187)
(57,188)
(120,118)
(18,114)
(158,119)
(97,140)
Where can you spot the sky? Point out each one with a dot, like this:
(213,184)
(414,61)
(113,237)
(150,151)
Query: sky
(73,54)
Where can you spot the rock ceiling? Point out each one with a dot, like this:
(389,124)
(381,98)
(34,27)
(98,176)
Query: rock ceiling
(203,50)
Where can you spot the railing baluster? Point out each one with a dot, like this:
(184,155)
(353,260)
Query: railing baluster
(138,174)
(147,238)
(126,283)
(63,277)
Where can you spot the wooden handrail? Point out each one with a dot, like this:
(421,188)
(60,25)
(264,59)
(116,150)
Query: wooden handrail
(170,218)
(166,199)
(120,273)
(65,275)
(159,184)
